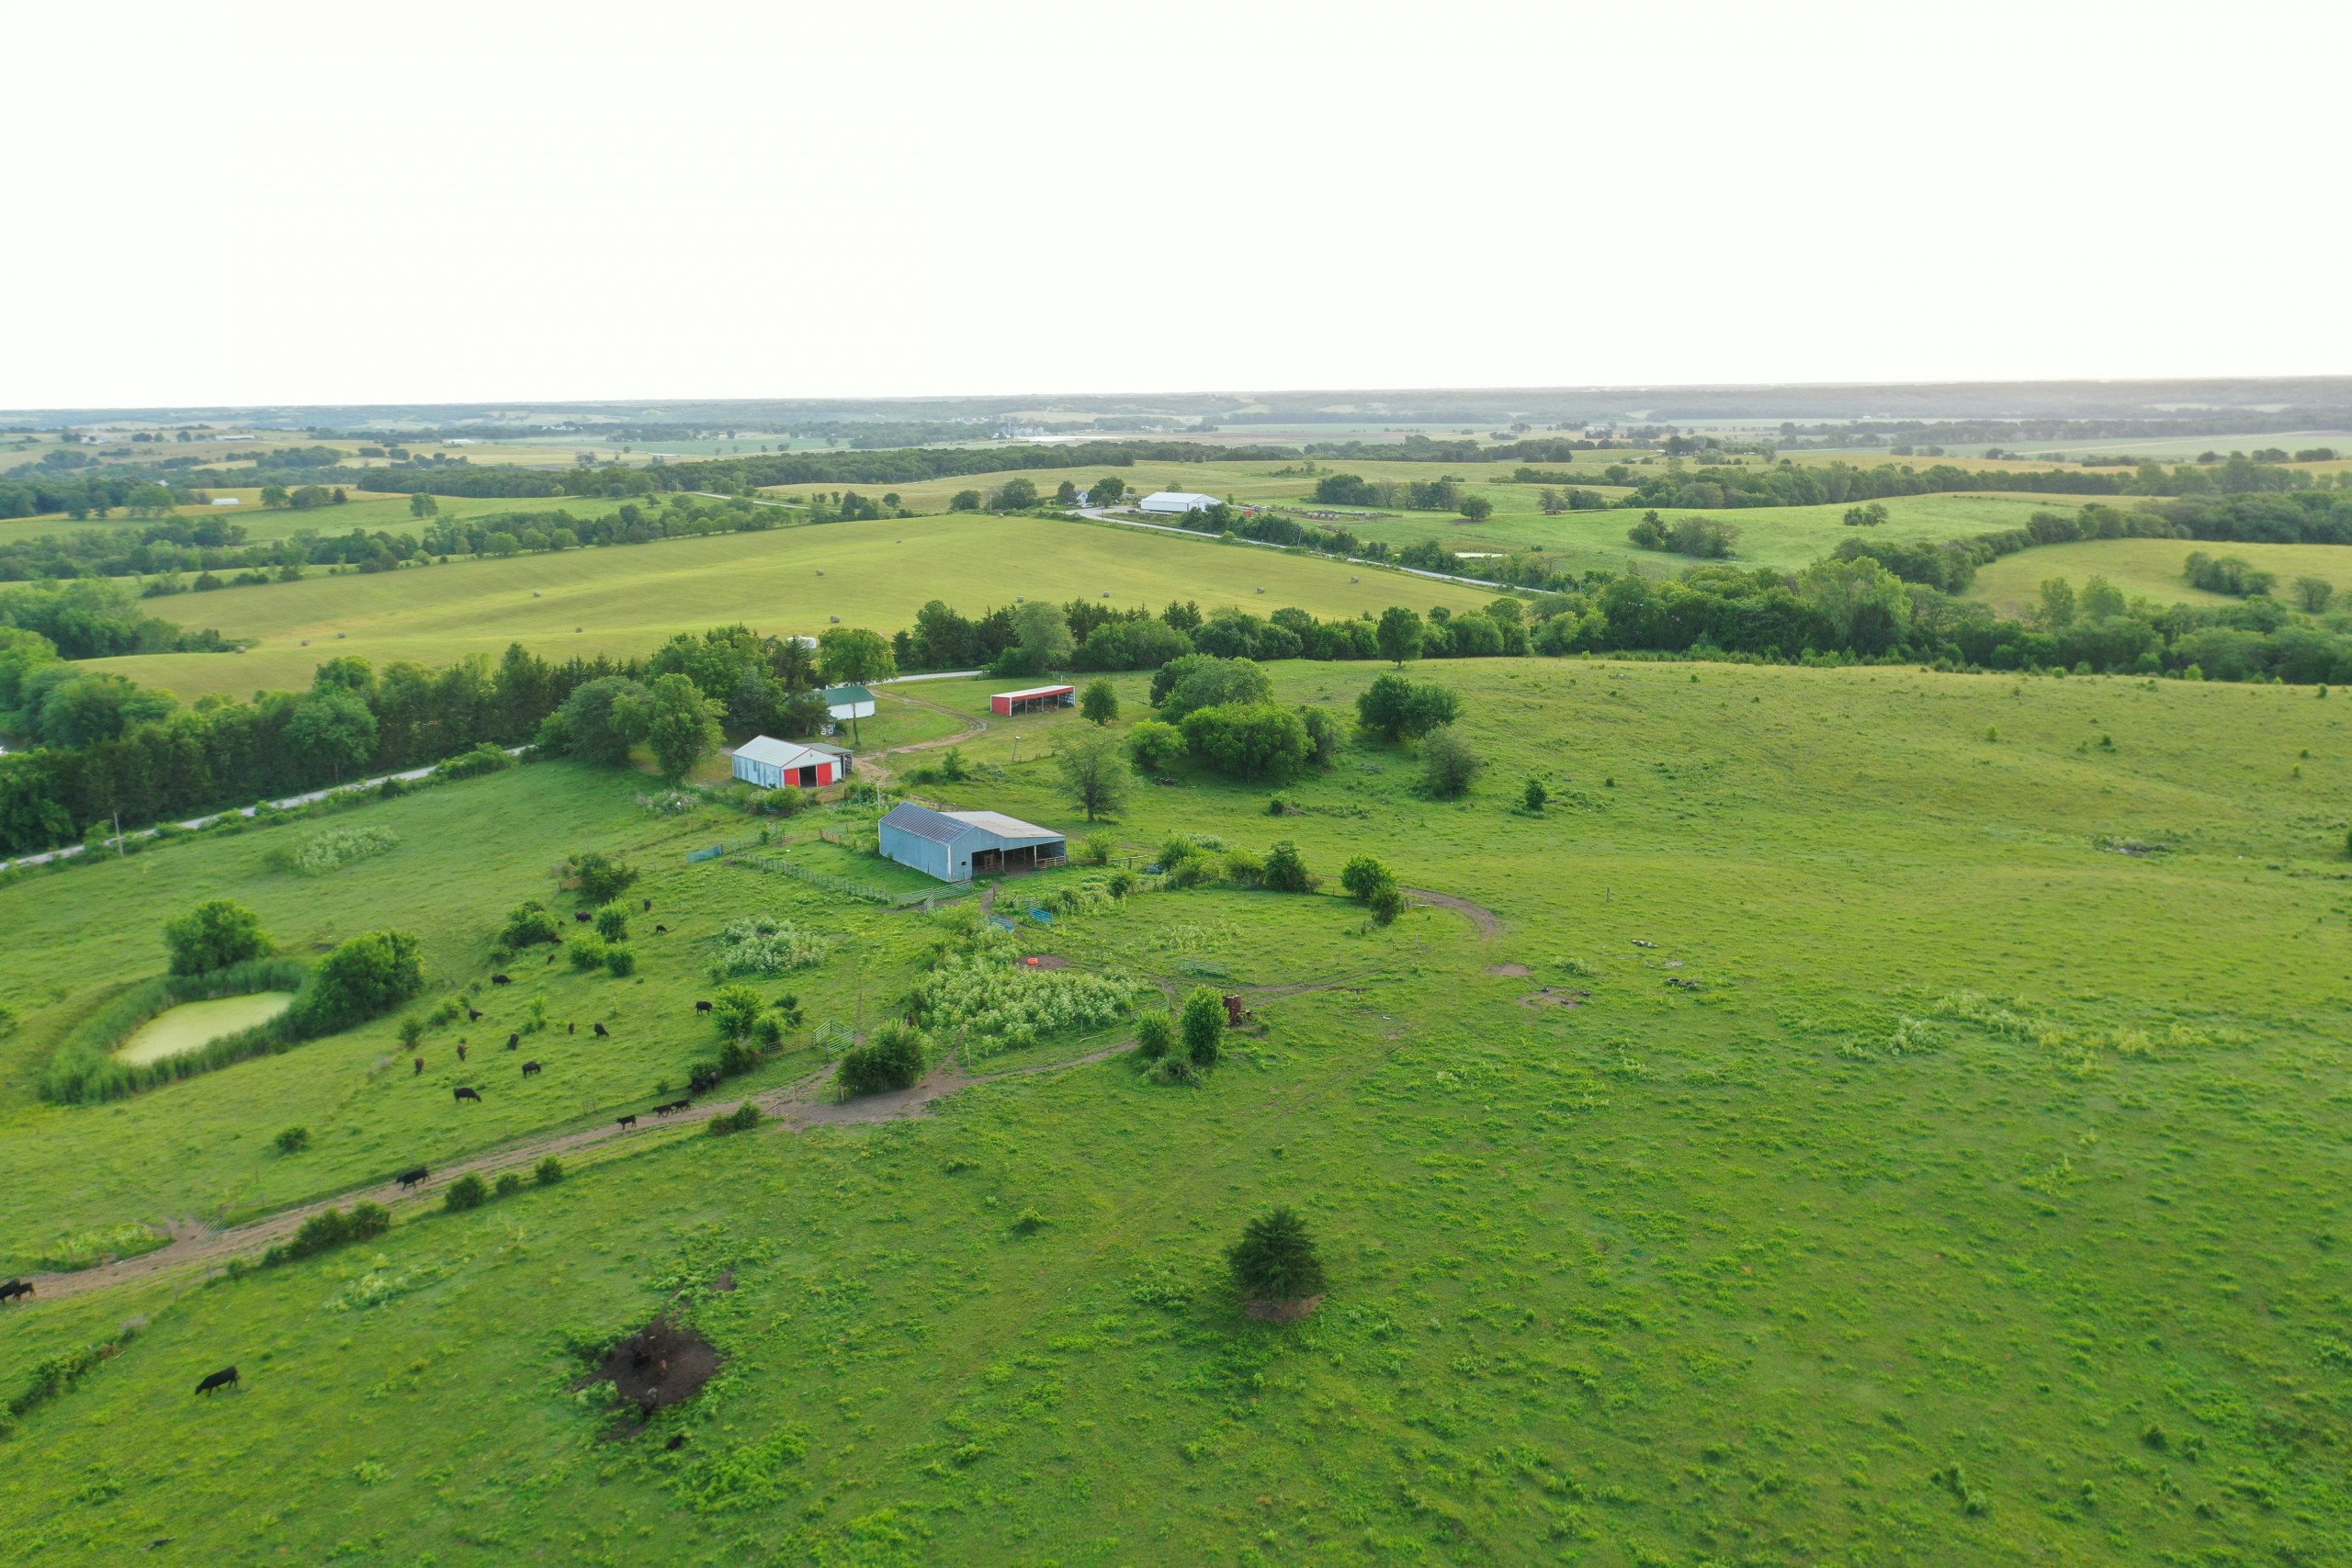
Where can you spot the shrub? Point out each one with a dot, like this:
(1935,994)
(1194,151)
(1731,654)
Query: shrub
(1363,875)
(600,878)
(893,1059)
(339,847)
(612,923)
(995,1004)
(364,978)
(529,924)
(1155,747)
(1099,848)
(742,1119)
(1386,902)
(1286,870)
(509,1183)
(1243,868)
(484,756)
(768,1031)
(763,946)
(1248,740)
(1204,1026)
(952,767)
(1395,708)
(734,1010)
(1099,702)
(549,1171)
(619,962)
(1122,883)
(293,1140)
(586,949)
(1447,764)
(214,935)
(1275,1260)
(332,1228)
(467,1193)
(1322,734)
(1155,1036)
(1534,796)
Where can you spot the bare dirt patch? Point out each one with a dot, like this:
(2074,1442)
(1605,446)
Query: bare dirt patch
(1489,924)
(1046,960)
(660,1365)
(1554,996)
(1515,971)
(1282,1312)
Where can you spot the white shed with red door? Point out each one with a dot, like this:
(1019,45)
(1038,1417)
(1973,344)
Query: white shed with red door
(778,764)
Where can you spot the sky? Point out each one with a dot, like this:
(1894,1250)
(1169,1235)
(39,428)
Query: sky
(250,203)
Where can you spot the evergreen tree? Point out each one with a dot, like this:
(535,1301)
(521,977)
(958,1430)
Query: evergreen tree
(1275,1259)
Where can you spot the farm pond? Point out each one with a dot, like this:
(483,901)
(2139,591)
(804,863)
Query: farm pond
(191,1024)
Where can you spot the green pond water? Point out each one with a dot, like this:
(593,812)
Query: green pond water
(191,1024)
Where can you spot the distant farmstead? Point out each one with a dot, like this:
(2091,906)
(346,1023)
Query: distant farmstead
(1033,699)
(777,765)
(1176,502)
(955,846)
(849,702)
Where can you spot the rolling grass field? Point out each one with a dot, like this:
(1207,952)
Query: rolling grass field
(1984,1202)
(2151,568)
(367,513)
(627,600)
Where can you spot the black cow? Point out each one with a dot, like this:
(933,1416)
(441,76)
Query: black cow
(411,1176)
(420,1067)
(473,1014)
(550,957)
(661,930)
(572,1029)
(15,1288)
(600,1032)
(514,1042)
(648,906)
(530,1069)
(628,1121)
(461,1050)
(702,1007)
(225,1378)
(583,916)
(500,980)
(462,1092)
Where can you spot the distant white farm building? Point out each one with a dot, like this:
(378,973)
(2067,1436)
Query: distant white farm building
(849,702)
(1176,502)
(776,764)
(228,501)
(955,845)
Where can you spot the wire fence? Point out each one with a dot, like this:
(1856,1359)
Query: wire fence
(850,885)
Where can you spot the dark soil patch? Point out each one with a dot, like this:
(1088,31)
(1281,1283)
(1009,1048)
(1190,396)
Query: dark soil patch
(1282,1312)
(1552,996)
(1046,960)
(725,1280)
(1515,971)
(660,1365)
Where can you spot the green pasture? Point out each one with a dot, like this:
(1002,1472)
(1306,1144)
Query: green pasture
(2153,569)
(1982,1204)
(1787,538)
(627,600)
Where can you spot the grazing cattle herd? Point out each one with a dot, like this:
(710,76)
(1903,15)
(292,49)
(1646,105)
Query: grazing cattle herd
(15,1288)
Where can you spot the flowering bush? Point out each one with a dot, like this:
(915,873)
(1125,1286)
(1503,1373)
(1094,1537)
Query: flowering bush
(338,847)
(763,946)
(1001,1006)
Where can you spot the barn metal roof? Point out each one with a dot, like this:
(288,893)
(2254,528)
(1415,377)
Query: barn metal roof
(925,823)
(1004,827)
(782,754)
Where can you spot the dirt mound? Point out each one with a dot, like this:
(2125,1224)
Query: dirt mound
(1552,996)
(660,1364)
(1281,1312)
(1514,971)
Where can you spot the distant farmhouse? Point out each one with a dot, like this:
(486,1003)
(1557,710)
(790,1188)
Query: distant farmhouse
(1176,502)
(848,702)
(774,765)
(953,846)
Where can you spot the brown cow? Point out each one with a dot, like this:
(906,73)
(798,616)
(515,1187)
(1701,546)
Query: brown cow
(461,1050)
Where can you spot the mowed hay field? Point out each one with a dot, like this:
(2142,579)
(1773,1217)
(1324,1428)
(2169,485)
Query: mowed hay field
(2153,569)
(1982,1203)
(627,600)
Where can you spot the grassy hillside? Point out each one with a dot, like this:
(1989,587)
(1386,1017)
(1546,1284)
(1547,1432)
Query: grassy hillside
(1980,1205)
(367,513)
(627,600)
(2151,568)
